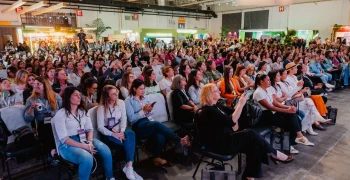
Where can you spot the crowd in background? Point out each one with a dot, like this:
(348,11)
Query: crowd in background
(123,78)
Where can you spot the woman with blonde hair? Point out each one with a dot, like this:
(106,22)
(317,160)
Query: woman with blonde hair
(224,137)
(112,122)
(42,105)
(20,82)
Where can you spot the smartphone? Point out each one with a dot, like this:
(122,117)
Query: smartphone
(153,103)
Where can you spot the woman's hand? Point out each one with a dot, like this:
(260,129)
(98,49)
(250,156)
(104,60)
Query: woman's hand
(147,107)
(300,83)
(291,110)
(119,136)
(90,148)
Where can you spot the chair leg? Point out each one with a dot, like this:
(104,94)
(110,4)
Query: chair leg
(8,169)
(199,163)
(239,163)
(3,165)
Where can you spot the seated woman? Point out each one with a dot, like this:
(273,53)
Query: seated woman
(167,80)
(75,134)
(41,106)
(194,86)
(7,96)
(203,68)
(185,71)
(127,80)
(135,62)
(242,81)
(278,114)
(183,106)
(307,105)
(89,93)
(142,75)
(228,86)
(20,81)
(139,115)
(111,122)
(28,88)
(262,68)
(214,74)
(225,139)
(250,72)
(60,81)
(151,87)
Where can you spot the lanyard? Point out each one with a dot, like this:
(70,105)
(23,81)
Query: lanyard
(78,119)
(111,112)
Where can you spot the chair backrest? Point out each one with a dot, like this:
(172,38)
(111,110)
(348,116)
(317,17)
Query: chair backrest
(3,134)
(196,119)
(93,116)
(57,141)
(13,117)
(170,105)
(159,112)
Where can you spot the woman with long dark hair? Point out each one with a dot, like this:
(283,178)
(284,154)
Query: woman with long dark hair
(138,111)
(89,92)
(194,86)
(75,134)
(228,86)
(28,88)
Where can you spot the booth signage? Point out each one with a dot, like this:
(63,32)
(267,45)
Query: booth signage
(159,34)
(181,23)
(125,31)
(79,12)
(187,31)
(281,9)
(136,17)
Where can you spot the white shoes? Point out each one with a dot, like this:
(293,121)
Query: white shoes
(311,132)
(131,174)
(329,85)
(303,140)
(293,151)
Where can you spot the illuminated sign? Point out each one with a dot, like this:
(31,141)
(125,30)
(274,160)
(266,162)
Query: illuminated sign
(125,31)
(159,34)
(187,31)
(79,12)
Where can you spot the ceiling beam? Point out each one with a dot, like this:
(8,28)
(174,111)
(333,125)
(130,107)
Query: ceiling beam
(14,6)
(33,7)
(49,9)
(194,3)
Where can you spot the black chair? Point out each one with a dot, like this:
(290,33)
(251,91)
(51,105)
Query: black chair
(221,158)
(12,150)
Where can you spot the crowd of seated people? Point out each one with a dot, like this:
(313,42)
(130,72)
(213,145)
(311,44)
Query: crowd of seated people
(290,85)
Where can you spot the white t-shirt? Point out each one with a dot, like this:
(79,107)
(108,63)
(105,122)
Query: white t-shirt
(165,84)
(276,91)
(158,72)
(260,94)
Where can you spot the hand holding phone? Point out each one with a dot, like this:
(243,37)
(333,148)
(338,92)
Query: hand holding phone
(153,103)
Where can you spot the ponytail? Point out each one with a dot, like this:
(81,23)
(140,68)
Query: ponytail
(259,77)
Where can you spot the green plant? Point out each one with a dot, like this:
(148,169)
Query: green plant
(100,27)
(224,32)
(289,36)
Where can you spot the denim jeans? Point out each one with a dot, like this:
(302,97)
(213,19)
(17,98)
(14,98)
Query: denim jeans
(300,114)
(345,74)
(85,160)
(144,128)
(129,143)
(326,77)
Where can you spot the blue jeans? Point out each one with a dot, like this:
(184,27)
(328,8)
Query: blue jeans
(128,143)
(144,128)
(301,114)
(326,77)
(85,160)
(345,74)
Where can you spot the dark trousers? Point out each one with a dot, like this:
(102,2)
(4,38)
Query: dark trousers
(144,128)
(253,145)
(46,136)
(289,122)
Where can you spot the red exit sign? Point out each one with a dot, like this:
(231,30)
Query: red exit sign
(79,12)
(20,8)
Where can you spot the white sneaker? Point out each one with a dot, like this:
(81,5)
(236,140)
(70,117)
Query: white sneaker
(111,179)
(303,140)
(311,132)
(129,172)
(293,151)
(329,85)
(137,177)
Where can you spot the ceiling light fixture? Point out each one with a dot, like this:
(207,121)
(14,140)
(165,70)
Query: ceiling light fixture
(14,6)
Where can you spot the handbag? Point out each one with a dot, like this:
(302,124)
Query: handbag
(218,175)
(254,112)
(295,100)
(332,114)
(24,136)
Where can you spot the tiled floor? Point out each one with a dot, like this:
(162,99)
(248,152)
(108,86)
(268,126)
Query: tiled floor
(328,160)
